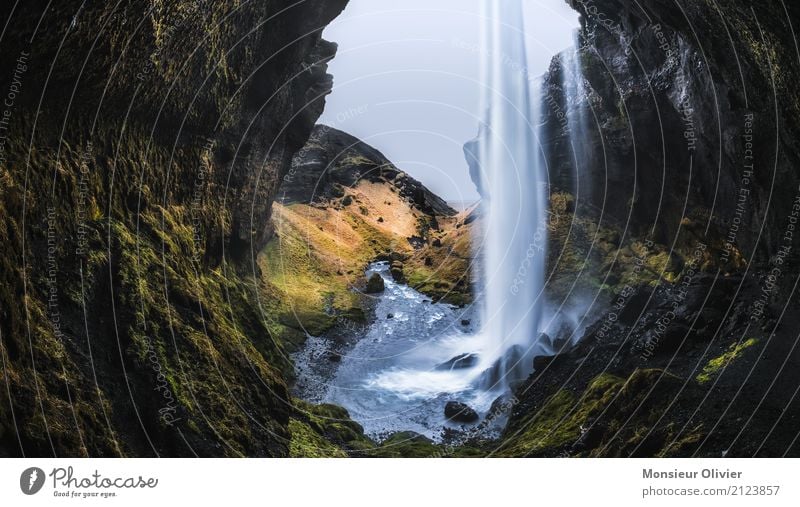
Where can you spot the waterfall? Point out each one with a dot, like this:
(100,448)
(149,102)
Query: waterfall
(577,122)
(512,180)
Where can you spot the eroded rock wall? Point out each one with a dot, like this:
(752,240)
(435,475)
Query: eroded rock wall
(143,142)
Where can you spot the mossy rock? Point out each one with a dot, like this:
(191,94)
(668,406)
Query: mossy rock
(333,425)
(375,284)
(613,416)
(307,443)
(719,364)
(407,444)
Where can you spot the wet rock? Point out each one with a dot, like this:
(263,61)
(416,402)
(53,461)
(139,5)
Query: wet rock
(390,316)
(501,408)
(459,362)
(466,322)
(494,375)
(397,272)
(460,412)
(375,284)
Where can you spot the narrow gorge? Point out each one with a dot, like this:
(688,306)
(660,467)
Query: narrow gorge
(195,265)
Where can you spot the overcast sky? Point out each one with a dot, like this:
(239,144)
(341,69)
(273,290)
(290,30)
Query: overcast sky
(406,79)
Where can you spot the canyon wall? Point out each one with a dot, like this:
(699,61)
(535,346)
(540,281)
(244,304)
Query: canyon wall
(142,145)
(690,119)
(686,201)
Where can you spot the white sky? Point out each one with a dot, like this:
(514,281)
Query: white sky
(406,79)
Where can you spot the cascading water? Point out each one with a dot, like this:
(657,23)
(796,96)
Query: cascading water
(415,358)
(513,177)
(577,124)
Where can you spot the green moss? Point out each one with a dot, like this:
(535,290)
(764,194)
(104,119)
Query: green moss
(625,418)
(666,265)
(326,431)
(307,443)
(559,422)
(407,444)
(717,364)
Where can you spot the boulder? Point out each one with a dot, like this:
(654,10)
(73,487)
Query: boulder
(375,284)
(459,362)
(397,272)
(460,412)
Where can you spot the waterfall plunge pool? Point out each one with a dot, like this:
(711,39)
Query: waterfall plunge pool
(393,374)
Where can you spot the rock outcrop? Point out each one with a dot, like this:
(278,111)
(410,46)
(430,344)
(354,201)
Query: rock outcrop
(688,183)
(143,143)
(689,119)
(333,160)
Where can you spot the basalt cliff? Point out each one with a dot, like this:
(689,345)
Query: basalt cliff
(143,143)
(675,168)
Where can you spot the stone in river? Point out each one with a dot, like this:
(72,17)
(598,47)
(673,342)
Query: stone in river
(460,412)
(375,284)
(459,362)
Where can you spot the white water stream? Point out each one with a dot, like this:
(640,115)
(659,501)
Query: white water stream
(400,371)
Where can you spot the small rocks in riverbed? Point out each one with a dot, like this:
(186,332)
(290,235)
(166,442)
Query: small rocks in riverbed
(460,412)
(375,284)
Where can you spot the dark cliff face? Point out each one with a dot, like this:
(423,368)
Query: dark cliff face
(142,145)
(251,78)
(689,156)
(690,114)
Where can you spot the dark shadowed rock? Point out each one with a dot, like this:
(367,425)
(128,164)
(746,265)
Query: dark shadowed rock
(397,272)
(542,362)
(460,412)
(375,284)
